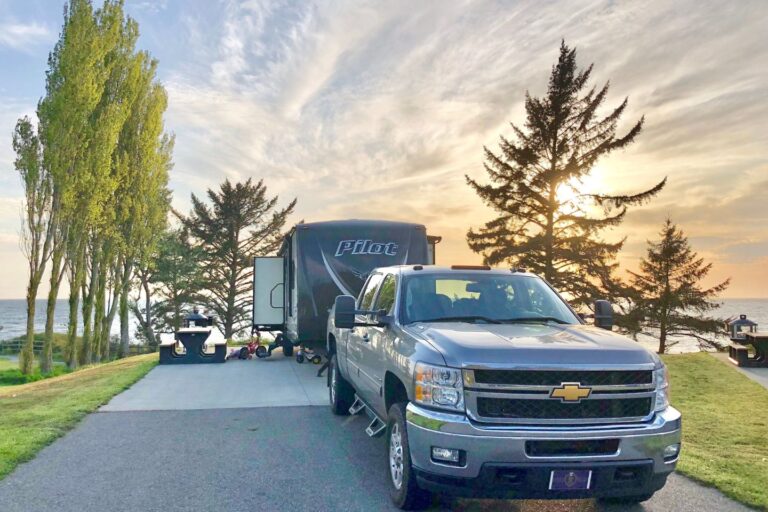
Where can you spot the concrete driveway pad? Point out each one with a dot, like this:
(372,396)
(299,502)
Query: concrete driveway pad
(277,381)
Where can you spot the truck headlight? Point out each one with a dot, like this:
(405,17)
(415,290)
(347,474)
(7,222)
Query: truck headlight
(439,386)
(661,376)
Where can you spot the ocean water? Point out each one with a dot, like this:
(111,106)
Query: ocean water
(13,320)
(755,309)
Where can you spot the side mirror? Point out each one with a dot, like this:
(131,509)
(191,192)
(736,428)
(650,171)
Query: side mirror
(344,312)
(603,314)
(383,319)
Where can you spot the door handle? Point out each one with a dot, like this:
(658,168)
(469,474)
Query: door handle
(366,338)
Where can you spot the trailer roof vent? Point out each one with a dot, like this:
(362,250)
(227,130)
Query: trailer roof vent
(515,269)
(470,267)
(418,267)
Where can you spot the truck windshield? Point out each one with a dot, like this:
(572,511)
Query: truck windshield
(481,298)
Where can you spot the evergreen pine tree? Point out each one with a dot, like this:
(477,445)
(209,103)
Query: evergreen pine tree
(241,222)
(546,223)
(670,296)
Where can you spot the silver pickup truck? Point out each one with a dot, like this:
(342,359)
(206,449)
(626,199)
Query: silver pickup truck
(487,384)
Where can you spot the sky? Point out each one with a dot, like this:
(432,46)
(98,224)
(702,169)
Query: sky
(379,109)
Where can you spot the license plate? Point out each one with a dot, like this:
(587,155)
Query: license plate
(570,480)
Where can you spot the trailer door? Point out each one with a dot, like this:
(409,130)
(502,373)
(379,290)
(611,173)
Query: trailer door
(268,293)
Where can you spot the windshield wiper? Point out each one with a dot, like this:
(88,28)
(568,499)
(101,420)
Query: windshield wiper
(532,319)
(472,319)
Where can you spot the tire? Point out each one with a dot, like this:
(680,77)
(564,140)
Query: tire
(341,394)
(287,347)
(407,495)
(628,500)
(317,359)
(243,353)
(299,358)
(261,352)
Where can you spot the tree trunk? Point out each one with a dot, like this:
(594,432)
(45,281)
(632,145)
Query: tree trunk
(46,357)
(101,338)
(76,272)
(124,337)
(89,355)
(148,314)
(662,336)
(125,286)
(27,355)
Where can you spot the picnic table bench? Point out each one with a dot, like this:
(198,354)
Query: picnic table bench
(197,334)
(738,351)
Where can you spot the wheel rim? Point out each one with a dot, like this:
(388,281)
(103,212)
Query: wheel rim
(396,456)
(333,384)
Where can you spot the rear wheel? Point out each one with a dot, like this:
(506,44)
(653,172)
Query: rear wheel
(341,394)
(243,353)
(405,493)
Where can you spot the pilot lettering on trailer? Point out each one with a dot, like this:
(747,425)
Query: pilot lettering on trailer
(366,247)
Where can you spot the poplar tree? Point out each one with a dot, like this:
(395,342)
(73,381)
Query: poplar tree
(37,224)
(143,198)
(105,148)
(241,222)
(670,296)
(74,86)
(546,222)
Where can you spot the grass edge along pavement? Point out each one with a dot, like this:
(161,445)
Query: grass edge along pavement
(35,414)
(725,427)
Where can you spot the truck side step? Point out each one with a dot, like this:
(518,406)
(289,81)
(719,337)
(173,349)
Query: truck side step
(376,427)
(357,406)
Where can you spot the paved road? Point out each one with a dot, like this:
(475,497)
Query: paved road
(195,457)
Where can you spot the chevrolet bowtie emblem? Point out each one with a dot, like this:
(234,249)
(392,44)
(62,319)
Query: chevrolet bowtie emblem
(570,392)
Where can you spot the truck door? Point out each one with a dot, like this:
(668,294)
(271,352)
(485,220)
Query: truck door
(372,352)
(360,337)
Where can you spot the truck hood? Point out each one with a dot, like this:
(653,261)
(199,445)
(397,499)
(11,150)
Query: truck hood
(467,345)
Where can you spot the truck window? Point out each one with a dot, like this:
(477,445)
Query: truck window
(386,298)
(369,292)
(498,297)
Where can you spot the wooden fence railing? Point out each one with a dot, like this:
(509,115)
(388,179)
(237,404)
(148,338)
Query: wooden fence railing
(14,347)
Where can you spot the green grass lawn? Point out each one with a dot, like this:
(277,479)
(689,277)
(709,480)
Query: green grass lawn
(725,427)
(10,375)
(35,414)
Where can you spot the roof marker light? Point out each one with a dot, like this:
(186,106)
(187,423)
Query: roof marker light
(470,267)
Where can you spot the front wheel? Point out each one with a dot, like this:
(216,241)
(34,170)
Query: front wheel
(405,493)
(340,393)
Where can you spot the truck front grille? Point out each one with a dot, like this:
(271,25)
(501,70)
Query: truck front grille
(544,409)
(556,377)
(536,395)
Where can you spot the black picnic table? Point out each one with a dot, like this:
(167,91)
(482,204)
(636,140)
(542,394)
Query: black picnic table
(193,340)
(739,354)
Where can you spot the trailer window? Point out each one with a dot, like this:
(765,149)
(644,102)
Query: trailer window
(386,298)
(366,299)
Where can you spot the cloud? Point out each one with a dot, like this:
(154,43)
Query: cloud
(23,36)
(380,109)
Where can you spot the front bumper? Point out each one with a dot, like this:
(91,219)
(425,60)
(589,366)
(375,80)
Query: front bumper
(495,461)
